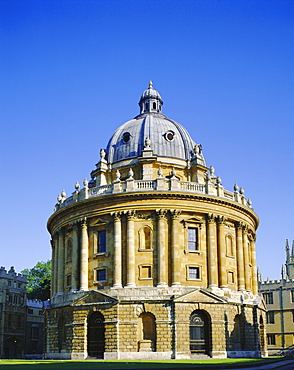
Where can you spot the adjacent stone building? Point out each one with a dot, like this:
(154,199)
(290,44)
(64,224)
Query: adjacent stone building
(153,258)
(34,344)
(279,298)
(12,313)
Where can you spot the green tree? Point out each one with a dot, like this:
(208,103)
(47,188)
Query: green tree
(38,281)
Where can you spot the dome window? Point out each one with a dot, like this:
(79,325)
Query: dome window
(154,105)
(169,135)
(126,137)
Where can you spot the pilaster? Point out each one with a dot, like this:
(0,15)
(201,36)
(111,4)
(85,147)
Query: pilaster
(84,255)
(246,259)
(254,267)
(240,257)
(221,247)
(161,247)
(75,269)
(60,281)
(117,260)
(176,260)
(212,252)
(130,250)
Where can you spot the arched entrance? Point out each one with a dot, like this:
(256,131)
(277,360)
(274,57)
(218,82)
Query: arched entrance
(146,332)
(199,332)
(96,335)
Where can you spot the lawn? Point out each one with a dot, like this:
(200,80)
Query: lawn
(101,364)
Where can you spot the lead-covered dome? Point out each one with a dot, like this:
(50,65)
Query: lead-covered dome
(168,138)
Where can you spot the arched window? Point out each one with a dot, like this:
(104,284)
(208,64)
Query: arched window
(96,335)
(154,105)
(69,249)
(147,332)
(229,246)
(145,235)
(199,332)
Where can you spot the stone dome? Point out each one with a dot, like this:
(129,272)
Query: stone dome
(168,138)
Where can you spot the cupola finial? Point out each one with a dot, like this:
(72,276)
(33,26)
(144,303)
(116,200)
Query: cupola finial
(150,84)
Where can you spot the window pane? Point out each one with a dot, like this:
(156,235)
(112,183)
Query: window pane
(101,275)
(102,242)
(192,238)
(193,272)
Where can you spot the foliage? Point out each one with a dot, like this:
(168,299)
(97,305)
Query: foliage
(38,281)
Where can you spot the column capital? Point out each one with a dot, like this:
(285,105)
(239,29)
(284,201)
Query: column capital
(84,222)
(221,220)
(161,213)
(175,213)
(239,225)
(210,218)
(116,216)
(130,214)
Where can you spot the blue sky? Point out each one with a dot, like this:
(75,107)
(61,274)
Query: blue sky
(72,71)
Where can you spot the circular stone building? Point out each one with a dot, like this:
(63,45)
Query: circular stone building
(153,258)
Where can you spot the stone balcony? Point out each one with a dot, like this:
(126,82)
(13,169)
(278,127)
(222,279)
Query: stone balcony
(212,187)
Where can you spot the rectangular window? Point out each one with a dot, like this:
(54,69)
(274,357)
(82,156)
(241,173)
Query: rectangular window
(145,272)
(101,248)
(268,298)
(270,317)
(101,275)
(30,311)
(271,339)
(194,273)
(40,313)
(292,296)
(68,280)
(231,278)
(192,238)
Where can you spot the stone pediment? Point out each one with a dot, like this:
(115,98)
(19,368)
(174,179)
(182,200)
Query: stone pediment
(93,297)
(202,296)
(99,222)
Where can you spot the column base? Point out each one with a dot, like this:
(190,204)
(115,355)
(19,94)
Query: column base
(116,286)
(163,285)
(130,285)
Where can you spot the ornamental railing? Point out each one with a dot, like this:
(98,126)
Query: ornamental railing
(160,184)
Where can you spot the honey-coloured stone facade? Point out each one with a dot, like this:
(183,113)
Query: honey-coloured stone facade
(153,258)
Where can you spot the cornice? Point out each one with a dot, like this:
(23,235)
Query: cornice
(111,202)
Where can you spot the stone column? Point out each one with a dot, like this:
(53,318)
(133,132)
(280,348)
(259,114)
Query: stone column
(131,282)
(117,260)
(246,259)
(254,267)
(221,247)
(84,256)
(240,257)
(176,260)
(55,271)
(212,253)
(161,247)
(53,246)
(61,266)
(75,259)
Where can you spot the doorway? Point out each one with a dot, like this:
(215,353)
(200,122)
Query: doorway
(96,335)
(199,332)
